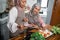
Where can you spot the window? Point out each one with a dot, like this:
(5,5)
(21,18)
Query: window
(44,3)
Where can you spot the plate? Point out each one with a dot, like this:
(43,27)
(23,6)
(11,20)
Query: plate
(46,33)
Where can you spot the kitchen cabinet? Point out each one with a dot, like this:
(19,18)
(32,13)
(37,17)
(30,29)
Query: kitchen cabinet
(55,19)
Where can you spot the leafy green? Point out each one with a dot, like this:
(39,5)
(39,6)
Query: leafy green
(56,30)
(32,39)
(36,36)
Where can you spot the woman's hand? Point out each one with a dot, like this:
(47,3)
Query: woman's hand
(47,27)
(25,19)
(35,26)
(21,27)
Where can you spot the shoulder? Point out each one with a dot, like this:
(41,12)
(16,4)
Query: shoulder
(13,9)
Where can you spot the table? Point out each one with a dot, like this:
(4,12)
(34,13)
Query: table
(52,37)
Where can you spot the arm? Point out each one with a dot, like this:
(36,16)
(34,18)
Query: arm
(12,18)
(41,21)
(27,20)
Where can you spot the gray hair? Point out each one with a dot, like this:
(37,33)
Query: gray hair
(36,4)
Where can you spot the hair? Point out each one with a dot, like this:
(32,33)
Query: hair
(36,4)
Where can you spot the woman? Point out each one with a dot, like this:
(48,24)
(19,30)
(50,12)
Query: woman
(16,16)
(34,17)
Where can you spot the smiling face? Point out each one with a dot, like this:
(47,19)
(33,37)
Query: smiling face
(22,3)
(36,9)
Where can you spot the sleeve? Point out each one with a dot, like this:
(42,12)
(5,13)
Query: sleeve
(12,18)
(41,21)
(27,24)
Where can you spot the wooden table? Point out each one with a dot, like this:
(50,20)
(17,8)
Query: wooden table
(53,37)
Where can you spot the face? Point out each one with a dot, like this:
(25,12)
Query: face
(22,3)
(36,10)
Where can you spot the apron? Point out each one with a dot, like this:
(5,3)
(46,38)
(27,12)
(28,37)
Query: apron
(19,21)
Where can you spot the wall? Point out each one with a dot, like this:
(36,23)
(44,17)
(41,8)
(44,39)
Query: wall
(49,12)
(31,2)
(3,5)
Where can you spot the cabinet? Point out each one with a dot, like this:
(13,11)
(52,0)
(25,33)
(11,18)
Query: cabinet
(55,19)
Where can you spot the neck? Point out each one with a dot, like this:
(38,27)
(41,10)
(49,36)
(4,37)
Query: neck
(22,7)
(33,14)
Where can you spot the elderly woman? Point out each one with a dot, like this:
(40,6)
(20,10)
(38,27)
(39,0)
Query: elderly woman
(34,17)
(16,16)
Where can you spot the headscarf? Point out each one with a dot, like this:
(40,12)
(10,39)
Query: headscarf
(17,2)
(36,4)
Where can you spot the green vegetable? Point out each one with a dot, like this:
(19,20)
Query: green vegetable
(37,36)
(32,39)
(56,30)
